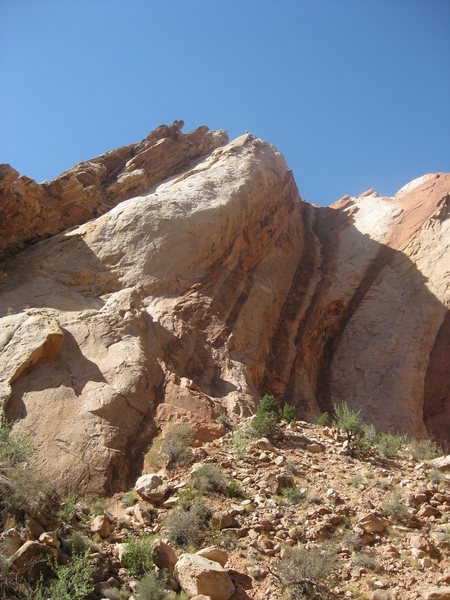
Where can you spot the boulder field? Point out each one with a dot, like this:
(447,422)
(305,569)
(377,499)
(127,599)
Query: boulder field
(183,277)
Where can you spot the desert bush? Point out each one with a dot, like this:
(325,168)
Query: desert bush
(99,506)
(288,413)
(239,443)
(153,458)
(25,494)
(151,587)
(185,526)
(368,561)
(293,495)
(75,543)
(424,449)
(266,420)
(189,495)
(303,570)
(351,541)
(128,499)
(138,555)
(176,445)
(324,420)
(15,448)
(389,444)
(359,435)
(435,476)
(394,508)
(74,581)
(68,511)
(209,478)
(234,490)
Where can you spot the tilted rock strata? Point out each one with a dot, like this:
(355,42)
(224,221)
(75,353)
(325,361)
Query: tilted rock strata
(213,287)
(31,211)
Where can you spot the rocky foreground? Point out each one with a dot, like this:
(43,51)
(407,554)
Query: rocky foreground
(376,528)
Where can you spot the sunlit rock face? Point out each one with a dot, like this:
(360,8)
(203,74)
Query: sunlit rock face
(183,277)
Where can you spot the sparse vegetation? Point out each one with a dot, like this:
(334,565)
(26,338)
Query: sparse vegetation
(304,570)
(435,476)
(99,506)
(266,421)
(209,478)
(234,490)
(288,413)
(394,508)
(360,436)
(185,526)
(138,555)
(365,560)
(176,445)
(151,587)
(424,449)
(324,420)
(74,581)
(128,499)
(15,448)
(239,443)
(389,444)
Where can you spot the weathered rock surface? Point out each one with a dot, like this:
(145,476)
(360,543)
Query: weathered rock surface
(191,295)
(198,575)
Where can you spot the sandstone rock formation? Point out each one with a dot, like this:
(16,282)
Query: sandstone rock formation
(189,285)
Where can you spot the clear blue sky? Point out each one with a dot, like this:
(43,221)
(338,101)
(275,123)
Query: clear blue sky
(355,93)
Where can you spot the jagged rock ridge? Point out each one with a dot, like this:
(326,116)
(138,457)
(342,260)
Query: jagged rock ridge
(216,284)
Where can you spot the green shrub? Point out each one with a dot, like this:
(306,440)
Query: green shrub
(293,495)
(239,443)
(389,444)
(324,420)
(176,445)
(209,478)
(288,413)
(424,449)
(69,512)
(128,499)
(15,448)
(138,555)
(189,495)
(265,423)
(435,476)
(26,494)
(186,526)
(153,457)
(394,508)
(234,490)
(99,506)
(150,587)
(76,543)
(368,561)
(74,581)
(359,435)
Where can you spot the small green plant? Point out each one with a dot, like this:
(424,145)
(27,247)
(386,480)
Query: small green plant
(176,445)
(266,420)
(424,449)
(390,444)
(74,581)
(76,543)
(99,506)
(151,587)
(189,495)
(324,420)
(435,476)
(394,508)
(153,458)
(293,495)
(128,499)
(223,420)
(209,478)
(288,413)
(356,480)
(239,443)
(10,311)
(234,490)
(138,556)
(15,448)
(351,541)
(69,512)
(112,593)
(360,436)
(365,560)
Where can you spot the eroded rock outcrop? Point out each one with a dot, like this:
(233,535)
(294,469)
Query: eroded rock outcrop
(216,284)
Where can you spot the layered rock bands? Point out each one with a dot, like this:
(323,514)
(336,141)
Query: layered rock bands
(182,277)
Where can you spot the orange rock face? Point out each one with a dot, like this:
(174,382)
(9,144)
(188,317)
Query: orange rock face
(192,281)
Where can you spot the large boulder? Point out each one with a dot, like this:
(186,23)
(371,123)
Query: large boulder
(198,575)
(151,487)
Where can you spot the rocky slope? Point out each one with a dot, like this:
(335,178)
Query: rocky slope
(194,279)
(377,527)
